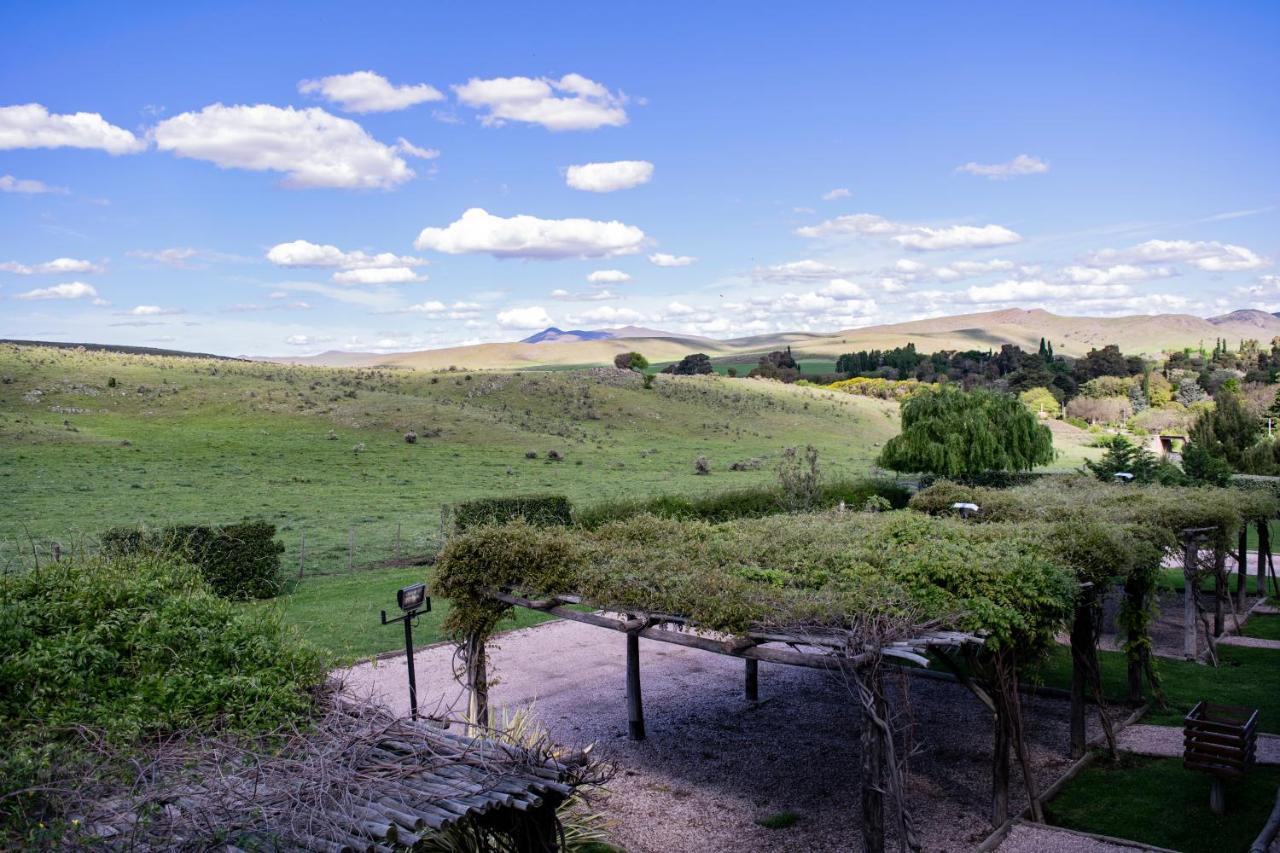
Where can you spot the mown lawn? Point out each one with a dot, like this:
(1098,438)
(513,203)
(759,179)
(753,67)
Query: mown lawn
(1246,677)
(1263,627)
(1158,802)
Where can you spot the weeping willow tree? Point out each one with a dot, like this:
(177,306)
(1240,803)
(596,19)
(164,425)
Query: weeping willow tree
(955,433)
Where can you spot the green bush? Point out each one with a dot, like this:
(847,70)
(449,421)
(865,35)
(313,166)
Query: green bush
(239,561)
(538,510)
(139,643)
(754,502)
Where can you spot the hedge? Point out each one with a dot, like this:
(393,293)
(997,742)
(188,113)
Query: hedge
(539,510)
(238,561)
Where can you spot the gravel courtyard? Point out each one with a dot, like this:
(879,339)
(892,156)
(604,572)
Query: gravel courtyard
(714,763)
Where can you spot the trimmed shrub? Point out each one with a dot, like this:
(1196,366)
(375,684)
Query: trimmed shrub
(238,561)
(538,510)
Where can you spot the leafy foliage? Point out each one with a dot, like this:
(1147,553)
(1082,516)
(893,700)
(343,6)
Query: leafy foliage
(1227,431)
(630,361)
(535,509)
(1123,456)
(238,561)
(952,432)
(690,365)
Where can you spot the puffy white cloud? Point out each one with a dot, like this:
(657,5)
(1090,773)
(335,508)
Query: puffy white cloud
(804,270)
(534,317)
(664,260)
(33,126)
(28,186)
(355,267)
(1023,164)
(571,103)
(969,269)
(377,275)
(607,314)
(1016,290)
(478,231)
(679,309)
(1117,274)
(842,289)
(918,237)
(838,192)
(70,290)
(608,277)
(1210,256)
(307,340)
(607,177)
(431,306)
(367,92)
(406,147)
(603,295)
(60,266)
(311,147)
(151,311)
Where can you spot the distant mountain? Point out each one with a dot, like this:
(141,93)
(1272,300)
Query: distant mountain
(127,350)
(553,335)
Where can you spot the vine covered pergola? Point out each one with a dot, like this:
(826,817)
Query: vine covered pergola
(847,592)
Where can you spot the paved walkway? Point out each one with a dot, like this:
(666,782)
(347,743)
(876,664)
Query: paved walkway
(1251,642)
(1166,742)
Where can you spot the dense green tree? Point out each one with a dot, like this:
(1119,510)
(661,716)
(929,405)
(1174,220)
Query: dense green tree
(630,361)
(1227,430)
(963,433)
(690,365)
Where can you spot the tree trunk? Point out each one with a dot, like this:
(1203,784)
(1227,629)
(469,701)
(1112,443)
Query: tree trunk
(1081,640)
(873,768)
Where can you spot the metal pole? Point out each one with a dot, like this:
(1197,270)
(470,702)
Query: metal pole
(408,654)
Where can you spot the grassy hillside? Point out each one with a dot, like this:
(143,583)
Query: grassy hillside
(192,440)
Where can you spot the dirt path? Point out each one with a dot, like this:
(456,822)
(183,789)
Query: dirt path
(714,763)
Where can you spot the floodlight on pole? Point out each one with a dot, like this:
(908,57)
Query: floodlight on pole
(966,510)
(410,599)
(1123,477)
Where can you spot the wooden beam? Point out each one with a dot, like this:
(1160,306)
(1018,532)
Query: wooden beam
(1081,640)
(752,687)
(873,768)
(1190,556)
(635,707)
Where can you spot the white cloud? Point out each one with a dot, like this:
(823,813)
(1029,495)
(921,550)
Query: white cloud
(842,289)
(838,192)
(1014,290)
(478,231)
(918,237)
(796,271)
(10,184)
(1210,256)
(306,340)
(534,317)
(607,314)
(60,266)
(367,92)
(1117,274)
(378,275)
(431,306)
(679,309)
(406,147)
(664,260)
(607,177)
(603,295)
(354,267)
(33,126)
(311,147)
(70,290)
(1023,164)
(969,269)
(608,277)
(571,103)
(151,311)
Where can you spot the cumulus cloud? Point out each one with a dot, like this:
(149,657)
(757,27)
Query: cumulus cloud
(679,309)
(1210,256)
(311,147)
(916,237)
(608,277)
(478,231)
(571,103)
(662,259)
(607,177)
(842,289)
(33,126)
(607,314)
(1116,274)
(378,275)
(70,290)
(28,186)
(354,267)
(969,269)
(60,266)
(534,317)
(838,192)
(367,92)
(1016,290)
(603,295)
(307,340)
(1023,164)
(151,311)
(804,270)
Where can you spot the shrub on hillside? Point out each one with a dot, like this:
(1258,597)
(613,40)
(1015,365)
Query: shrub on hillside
(238,561)
(538,510)
(690,365)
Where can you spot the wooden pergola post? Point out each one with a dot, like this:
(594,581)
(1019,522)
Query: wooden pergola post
(752,685)
(477,683)
(873,765)
(1081,642)
(1000,762)
(1264,550)
(1219,585)
(1242,565)
(635,707)
(1137,596)
(1189,557)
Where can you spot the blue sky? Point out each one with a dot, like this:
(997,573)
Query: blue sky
(169,177)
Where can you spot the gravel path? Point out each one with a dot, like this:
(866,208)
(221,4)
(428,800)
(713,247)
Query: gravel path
(1251,642)
(714,763)
(1033,838)
(1166,741)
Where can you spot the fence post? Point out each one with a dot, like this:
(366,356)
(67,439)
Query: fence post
(351,548)
(397,542)
(302,554)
